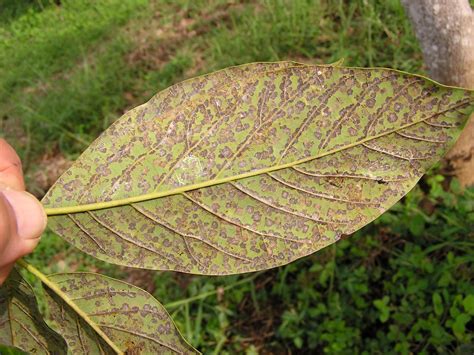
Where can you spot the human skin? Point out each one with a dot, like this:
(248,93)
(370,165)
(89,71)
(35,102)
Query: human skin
(22,217)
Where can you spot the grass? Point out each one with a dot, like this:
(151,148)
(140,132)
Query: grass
(403,284)
(69,70)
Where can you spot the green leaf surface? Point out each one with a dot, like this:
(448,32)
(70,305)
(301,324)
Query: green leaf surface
(437,304)
(21,324)
(131,319)
(254,166)
(459,325)
(468,304)
(383,306)
(9,350)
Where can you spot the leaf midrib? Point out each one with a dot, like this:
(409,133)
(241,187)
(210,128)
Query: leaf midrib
(158,194)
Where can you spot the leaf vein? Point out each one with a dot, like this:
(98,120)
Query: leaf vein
(324,196)
(387,152)
(422,139)
(262,123)
(121,236)
(143,335)
(86,232)
(155,219)
(351,176)
(350,111)
(207,208)
(387,103)
(282,209)
(25,328)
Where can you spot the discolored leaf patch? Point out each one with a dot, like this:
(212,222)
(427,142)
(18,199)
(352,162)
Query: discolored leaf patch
(254,166)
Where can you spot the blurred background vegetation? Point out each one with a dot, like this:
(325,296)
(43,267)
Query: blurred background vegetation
(404,284)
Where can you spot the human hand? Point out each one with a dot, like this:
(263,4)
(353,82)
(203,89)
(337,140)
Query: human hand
(22,218)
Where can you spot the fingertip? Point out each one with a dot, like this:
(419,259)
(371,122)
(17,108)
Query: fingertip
(29,213)
(28,245)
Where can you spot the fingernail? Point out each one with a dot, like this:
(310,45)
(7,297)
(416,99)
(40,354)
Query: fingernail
(30,216)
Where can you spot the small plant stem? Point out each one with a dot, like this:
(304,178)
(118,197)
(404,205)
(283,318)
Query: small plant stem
(331,279)
(189,332)
(253,294)
(219,345)
(211,293)
(45,280)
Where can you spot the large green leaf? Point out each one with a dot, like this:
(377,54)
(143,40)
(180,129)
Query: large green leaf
(21,324)
(128,318)
(254,166)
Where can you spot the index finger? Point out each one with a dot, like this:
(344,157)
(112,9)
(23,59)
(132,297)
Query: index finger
(10,167)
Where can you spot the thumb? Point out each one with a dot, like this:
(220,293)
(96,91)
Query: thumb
(29,218)
(22,220)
